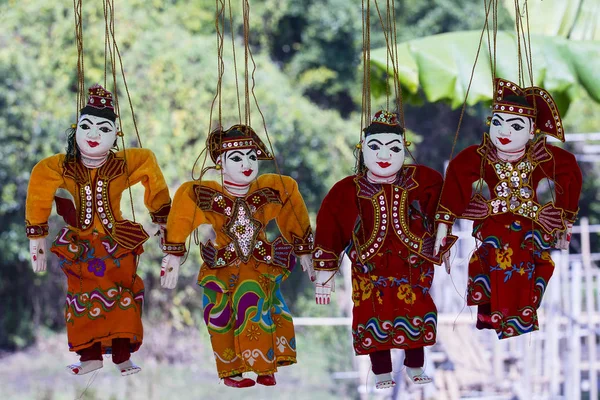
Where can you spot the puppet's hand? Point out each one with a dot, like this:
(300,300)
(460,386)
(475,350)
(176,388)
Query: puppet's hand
(307,266)
(446,260)
(37,252)
(169,271)
(325,284)
(440,237)
(564,237)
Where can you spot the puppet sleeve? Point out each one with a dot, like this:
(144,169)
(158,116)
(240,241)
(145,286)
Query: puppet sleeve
(430,182)
(144,168)
(335,222)
(462,171)
(568,182)
(293,220)
(184,217)
(46,178)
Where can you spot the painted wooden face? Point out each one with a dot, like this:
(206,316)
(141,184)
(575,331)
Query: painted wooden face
(240,166)
(95,136)
(510,133)
(383,153)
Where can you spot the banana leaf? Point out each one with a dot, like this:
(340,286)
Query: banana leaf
(440,67)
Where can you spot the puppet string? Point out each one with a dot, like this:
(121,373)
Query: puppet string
(89,384)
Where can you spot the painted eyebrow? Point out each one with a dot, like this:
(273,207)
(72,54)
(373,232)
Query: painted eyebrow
(516,119)
(375,140)
(499,117)
(395,140)
(234,153)
(85,119)
(103,122)
(249,151)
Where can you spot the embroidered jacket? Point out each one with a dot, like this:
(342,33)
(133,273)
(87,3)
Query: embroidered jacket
(97,194)
(512,185)
(239,223)
(365,215)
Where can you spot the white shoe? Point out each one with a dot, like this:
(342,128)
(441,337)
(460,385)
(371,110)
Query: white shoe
(84,367)
(418,376)
(128,368)
(384,381)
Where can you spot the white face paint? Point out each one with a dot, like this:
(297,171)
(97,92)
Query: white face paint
(383,153)
(240,166)
(510,133)
(95,136)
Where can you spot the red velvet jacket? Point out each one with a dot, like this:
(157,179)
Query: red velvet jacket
(367,215)
(512,186)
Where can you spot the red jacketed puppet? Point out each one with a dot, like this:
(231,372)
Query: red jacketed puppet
(510,270)
(382,217)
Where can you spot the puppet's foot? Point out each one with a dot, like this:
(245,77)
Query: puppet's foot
(238,381)
(384,381)
(266,380)
(418,376)
(84,367)
(128,368)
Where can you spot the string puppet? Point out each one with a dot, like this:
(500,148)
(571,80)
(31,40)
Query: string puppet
(510,270)
(382,218)
(98,250)
(249,323)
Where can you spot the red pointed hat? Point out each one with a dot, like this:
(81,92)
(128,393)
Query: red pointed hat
(236,138)
(100,98)
(540,106)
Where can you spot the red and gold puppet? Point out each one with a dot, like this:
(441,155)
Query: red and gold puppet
(98,249)
(382,218)
(510,270)
(249,322)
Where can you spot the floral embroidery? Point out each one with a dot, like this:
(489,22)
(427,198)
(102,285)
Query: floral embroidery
(97,266)
(277,322)
(503,257)
(228,354)
(405,292)
(355,293)
(366,286)
(546,257)
(253,333)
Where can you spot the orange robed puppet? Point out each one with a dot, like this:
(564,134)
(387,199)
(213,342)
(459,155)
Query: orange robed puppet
(98,249)
(249,322)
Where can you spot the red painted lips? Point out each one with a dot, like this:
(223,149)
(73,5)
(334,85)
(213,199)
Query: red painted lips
(384,164)
(504,141)
(248,172)
(92,143)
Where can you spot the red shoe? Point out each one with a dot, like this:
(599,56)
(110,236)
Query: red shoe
(242,383)
(266,380)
